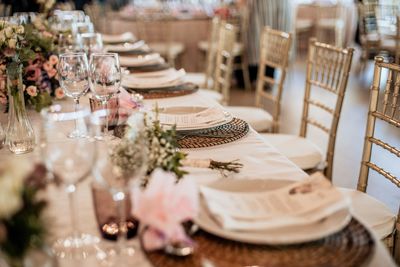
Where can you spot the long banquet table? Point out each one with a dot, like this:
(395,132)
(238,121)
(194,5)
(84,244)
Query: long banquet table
(260,159)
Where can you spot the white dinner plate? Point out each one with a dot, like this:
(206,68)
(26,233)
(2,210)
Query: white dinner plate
(281,236)
(125,47)
(225,117)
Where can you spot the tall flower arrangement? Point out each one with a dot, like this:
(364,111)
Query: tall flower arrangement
(33,46)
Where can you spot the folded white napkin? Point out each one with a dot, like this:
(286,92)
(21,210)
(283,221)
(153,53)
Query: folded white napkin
(300,203)
(133,81)
(118,38)
(207,116)
(152,74)
(126,47)
(150,59)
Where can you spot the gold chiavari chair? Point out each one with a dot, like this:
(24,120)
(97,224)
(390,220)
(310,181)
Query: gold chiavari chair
(224,61)
(328,69)
(205,80)
(274,53)
(384,107)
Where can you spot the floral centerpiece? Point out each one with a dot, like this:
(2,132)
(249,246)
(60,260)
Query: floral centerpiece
(21,225)
(32,46)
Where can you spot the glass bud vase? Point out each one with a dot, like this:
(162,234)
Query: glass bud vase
(20,137)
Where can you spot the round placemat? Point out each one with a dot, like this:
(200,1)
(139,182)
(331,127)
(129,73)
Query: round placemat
(173,91)
(219,135)
(148,68)
(351,247)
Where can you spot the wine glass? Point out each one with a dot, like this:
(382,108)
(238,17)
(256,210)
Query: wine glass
(65,43)
(82,27)
(70,162)
(105,80)
(118,173)
(74,80)
(90,42)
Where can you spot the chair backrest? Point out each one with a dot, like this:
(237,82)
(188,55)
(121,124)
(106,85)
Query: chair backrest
(211,52)
(224,60)
(274,53)
(328,69)
(384,107)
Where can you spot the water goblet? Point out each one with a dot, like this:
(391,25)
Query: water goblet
(90,42)
(74,80)
(69,162)
(105,80)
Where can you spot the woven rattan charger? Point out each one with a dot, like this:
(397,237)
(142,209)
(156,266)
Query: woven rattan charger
(173,91)
(350,247)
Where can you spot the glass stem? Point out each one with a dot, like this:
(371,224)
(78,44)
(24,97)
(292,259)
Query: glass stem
(104,102)
(71,189)
(76,108)
(122,225)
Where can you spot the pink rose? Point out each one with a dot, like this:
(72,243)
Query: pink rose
(53,60)
(59,93)
(52,73)
(3,99)
(31,90)
(163,206)
(47,34)
(33,72)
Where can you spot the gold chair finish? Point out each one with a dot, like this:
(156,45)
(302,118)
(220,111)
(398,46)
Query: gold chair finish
(274,53)
(328,69)
(387,112)
(211,51)
(224,60)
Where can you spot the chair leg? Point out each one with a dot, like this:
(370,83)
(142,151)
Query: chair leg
(245,72)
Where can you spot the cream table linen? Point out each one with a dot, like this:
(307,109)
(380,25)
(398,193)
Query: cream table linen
(260,159)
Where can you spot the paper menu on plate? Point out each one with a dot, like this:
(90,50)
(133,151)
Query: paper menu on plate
(189,119)
(299,203)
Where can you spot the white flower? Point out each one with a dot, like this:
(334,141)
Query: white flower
(12,43)
(2,36)
(8,32)
(20,29)
(12,176)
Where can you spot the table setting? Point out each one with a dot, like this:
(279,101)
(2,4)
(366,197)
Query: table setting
(123,163)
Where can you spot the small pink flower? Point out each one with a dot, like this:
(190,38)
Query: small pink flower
(52,73)
(3,99)
(47,34)
(53,60)
(47,66)
(31,90)
(8,52)
(59,93)
(163,206)
(33,74)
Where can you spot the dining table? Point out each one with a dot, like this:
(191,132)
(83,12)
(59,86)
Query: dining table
(260,161)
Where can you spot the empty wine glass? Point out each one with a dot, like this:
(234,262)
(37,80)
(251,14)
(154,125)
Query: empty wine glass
(70,162)
(74,80)
(119,172)
(90,42)
(105,80)
(65,43)
(82,27)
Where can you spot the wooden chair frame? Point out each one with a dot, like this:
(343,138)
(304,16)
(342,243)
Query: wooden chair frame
(274,53)
(387,114)
(328,68)
(211,52)
(224,60)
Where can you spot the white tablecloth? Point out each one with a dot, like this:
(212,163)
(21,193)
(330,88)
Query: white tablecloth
(260,160)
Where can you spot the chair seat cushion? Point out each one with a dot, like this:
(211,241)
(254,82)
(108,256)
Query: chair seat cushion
(372,212)
(175,48)
(212,94)
(258,118)
(299,150)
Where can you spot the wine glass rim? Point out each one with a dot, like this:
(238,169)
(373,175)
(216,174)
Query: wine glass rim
(72,54)
(98,54)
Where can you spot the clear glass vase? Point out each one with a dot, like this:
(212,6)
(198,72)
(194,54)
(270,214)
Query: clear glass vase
(20,137)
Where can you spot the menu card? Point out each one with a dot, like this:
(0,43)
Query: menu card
(300,203)
(206,116)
